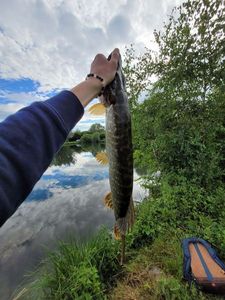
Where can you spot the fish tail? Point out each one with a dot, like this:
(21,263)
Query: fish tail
(124,225)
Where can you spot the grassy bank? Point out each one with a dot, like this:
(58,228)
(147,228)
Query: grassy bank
(153,269)
(76,270)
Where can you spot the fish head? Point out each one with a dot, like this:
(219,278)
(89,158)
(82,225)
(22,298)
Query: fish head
(118,85)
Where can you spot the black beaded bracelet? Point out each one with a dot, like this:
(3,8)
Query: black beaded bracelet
(99,78)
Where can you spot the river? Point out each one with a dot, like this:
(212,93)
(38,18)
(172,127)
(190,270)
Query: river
(65,202)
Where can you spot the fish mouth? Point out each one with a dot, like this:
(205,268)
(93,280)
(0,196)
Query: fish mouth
(109,94)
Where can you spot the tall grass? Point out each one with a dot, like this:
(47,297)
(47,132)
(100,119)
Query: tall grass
(77,270)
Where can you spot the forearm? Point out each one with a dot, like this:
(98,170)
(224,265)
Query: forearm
(28,141)
(30,138)
(105,69)
(87,90)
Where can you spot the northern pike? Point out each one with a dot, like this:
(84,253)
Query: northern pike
(119,154)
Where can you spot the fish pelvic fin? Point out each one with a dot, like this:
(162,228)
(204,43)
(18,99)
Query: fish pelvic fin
(108,200)
(97,109)
(102,158)
(116,232)
(124,225)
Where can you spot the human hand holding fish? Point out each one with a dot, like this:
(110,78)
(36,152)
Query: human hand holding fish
(102,68)
(118,154)
(105,68)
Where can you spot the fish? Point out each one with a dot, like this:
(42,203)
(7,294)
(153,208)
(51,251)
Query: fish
(119,154)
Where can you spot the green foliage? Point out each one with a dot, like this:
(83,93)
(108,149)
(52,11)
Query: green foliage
(96,127)
(86,138)
(180,126)
(92,138)
(137,71)
(155,272)
(74,136)
(171,288)
(191,50)
(179,129)
(65,156)
(188,142)
(78,271)
(180,207)
(95,135)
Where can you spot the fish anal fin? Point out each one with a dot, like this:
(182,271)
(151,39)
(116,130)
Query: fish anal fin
(102,158)
(97,109)
(108,200)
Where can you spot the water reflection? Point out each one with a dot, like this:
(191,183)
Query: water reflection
(67,200)
(65,156)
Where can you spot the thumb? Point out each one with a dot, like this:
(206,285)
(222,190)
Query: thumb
(115,55)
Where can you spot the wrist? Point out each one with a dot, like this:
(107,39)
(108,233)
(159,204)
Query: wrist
(95,84)
(87,90)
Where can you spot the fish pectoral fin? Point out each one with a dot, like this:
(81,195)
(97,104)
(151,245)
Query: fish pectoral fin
(117,234)
(108,200)
(97,109)
(102,158)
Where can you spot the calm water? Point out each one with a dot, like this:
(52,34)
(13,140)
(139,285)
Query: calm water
(67,201)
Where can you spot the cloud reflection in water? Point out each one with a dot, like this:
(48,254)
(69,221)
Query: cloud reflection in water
(74,207)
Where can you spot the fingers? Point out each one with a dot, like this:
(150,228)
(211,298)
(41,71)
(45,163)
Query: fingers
(115,55)
(100,57)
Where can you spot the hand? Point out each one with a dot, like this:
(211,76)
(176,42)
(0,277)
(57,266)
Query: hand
(90,88)
(105,68)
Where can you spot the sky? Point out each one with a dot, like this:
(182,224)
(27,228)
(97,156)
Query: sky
(48,45)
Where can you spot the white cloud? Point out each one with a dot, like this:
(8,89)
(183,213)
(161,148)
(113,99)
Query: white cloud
(22,97)
(54,42)
(17,101)
(8,109)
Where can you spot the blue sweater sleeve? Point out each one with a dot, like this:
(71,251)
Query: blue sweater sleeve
(28,141)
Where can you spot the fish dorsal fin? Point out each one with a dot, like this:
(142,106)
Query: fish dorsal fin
(97,109)
(102,158)
(108,200)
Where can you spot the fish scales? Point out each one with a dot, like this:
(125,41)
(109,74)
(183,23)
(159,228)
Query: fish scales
(119,155)
(119,147)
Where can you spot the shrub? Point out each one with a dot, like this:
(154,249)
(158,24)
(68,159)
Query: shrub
(78,271)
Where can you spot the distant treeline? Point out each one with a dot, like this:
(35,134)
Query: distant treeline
(95,134)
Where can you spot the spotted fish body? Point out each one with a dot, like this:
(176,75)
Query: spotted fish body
(119,151)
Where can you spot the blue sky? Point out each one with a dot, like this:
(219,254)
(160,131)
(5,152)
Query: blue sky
(48,45)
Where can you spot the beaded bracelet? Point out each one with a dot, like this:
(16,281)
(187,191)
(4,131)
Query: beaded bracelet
(99,78)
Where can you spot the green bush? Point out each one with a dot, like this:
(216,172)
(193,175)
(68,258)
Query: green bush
(78,271)
(171,288)
(180,206)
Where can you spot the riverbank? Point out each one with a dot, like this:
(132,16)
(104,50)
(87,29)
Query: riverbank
(153,268)
(178,129)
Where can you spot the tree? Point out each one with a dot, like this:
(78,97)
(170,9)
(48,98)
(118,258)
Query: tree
(74,136)
(96,127)
(180,127)
(65,156)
